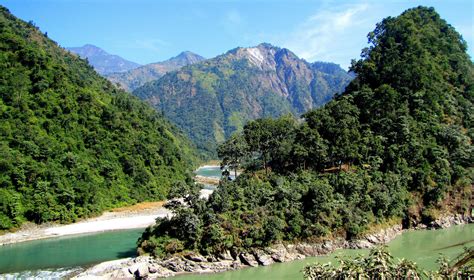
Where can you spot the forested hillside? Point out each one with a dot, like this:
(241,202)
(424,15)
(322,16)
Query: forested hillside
(395,147)
(212,99)
(71,144)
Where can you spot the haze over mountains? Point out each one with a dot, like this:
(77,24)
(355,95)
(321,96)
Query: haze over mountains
(212,99)
(134,78)
(103,62)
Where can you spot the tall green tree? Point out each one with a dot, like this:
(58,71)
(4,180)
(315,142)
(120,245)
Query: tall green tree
(233,152)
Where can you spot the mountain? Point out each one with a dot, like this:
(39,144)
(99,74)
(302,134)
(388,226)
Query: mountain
(72,144)
(212,99)
(103,62)
(137,77)
(394,149)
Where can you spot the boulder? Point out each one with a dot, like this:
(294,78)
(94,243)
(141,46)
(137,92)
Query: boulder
(225,256)
(248,259)
(174,264)
(359,244)
(191,266)
(263,258)
(195,258)
(278,253)
(141,272)
(153,269)
(160,272)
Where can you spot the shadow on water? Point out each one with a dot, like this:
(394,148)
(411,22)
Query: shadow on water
(127,254)
(455,245)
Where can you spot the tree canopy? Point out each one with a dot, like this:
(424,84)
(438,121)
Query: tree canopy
(71,144)
(395,146)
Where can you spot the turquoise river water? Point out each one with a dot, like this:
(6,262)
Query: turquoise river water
(54,258)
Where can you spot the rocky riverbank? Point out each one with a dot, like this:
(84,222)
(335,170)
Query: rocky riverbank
(148,267)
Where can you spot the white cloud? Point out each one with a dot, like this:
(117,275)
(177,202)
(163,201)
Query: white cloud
(334,34)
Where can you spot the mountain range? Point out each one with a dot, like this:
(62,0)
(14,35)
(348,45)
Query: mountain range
(103,62)
(134,78)
(211,99)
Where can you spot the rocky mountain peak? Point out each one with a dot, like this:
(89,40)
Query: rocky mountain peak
(186,57)
(224,92)
(266,56)
(261,56)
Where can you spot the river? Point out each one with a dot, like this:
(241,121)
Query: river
(55,258)
(41,258)
(423,246)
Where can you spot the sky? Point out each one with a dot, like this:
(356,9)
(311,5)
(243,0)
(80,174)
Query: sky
(146,31)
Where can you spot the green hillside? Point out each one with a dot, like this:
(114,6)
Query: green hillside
(395,147)
(71,144)
(137,77)
(212,99)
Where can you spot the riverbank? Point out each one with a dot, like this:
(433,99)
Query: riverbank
(192,263)
(139,215)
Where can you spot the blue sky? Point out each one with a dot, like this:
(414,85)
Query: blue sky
(148,31)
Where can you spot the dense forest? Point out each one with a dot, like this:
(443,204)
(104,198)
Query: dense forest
(214,98)
(395,147)
(71,144)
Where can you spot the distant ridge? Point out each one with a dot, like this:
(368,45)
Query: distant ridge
(103,62)
(135,78)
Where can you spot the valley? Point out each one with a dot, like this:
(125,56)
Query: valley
(252,162)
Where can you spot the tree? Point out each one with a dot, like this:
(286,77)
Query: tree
(271,140)
(233,152)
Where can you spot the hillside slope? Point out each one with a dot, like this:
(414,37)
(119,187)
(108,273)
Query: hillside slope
(71,144)
(395,147)
(136,78)
(212,99)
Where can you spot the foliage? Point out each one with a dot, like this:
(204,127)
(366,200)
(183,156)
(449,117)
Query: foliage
(395,145)
(211,100)
(379,264)
(233,152)
(71,144)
